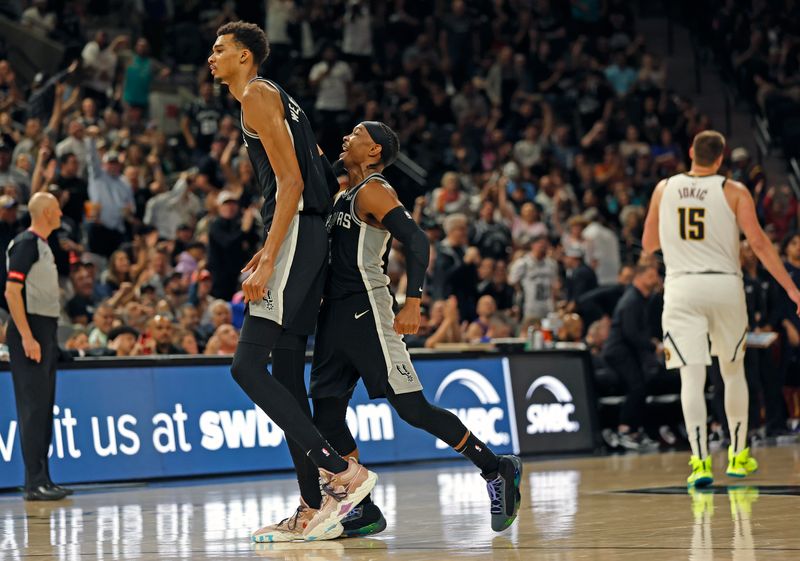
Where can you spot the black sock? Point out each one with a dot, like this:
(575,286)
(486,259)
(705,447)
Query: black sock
(326,458)
(480,455)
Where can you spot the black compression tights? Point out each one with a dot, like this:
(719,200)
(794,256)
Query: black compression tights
(288,367)
(413,408)
(258,339)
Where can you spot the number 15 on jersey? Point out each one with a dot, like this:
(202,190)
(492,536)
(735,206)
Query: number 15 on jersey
(692,223)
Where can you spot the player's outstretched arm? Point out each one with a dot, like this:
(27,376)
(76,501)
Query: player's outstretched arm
(263,113)
(650,239)
(379,202)
(758,240)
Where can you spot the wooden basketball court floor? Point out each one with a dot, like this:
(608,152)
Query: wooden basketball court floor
(604,508)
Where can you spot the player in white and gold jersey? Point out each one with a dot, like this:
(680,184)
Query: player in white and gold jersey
(695,219)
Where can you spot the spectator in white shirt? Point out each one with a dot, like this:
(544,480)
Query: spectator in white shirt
(331,77)
(357,37)
(100,63)
(602,246)
(166,211)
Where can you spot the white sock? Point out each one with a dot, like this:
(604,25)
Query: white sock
(693,401)
(736,402)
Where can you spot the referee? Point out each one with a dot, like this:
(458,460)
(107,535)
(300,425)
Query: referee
(32,295)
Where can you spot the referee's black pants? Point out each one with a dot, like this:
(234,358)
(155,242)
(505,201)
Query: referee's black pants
(34,391)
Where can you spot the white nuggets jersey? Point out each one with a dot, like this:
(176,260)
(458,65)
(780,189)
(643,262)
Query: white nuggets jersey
(697,228)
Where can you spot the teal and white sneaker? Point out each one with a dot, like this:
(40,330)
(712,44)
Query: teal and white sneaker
(504,492)
(364,520)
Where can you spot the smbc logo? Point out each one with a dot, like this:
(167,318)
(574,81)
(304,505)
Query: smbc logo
(551,417)
(480,420)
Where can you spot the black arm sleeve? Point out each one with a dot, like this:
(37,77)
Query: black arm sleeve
(22,254)
(332,173)
(417,247)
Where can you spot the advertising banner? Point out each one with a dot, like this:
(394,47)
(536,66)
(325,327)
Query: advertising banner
(553,402)
(150,422)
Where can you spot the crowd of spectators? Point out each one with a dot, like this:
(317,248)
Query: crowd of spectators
(758,48)
(541,126)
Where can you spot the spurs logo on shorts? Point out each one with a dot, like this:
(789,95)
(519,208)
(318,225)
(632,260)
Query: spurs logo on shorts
(403,370)
(269,302)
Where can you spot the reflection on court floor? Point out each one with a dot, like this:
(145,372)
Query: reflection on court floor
(621,507)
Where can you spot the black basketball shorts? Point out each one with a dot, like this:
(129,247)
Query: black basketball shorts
(356,339)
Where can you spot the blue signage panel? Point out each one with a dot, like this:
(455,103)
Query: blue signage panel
(149,422)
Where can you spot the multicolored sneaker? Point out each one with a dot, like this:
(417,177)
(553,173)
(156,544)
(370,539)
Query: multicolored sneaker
(504,492)
(364,520)
(341,492)
(741,464)
(291,529)
(701,475)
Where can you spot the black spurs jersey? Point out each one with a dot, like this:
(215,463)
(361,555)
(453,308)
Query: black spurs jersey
(315,198)
(359,252)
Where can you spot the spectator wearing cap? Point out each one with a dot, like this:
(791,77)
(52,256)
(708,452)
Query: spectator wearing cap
(10,226)
(10,175)
(111,192)
(166,211)
(751,174)
(200,293)
(184,235)
(580,278)
(122,340)
(231,240)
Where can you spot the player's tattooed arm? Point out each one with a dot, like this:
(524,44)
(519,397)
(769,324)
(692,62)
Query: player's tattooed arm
(263,113)
(650,239)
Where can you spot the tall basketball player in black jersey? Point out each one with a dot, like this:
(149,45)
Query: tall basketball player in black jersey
(358,334)
(284,288)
